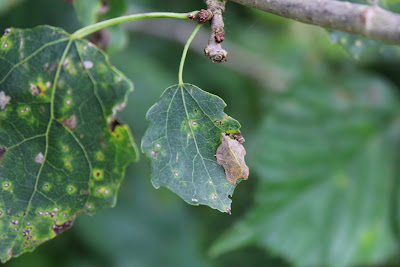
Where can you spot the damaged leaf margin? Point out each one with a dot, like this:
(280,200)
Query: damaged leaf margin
(181,142)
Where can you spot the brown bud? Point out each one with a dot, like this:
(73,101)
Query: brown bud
(219,35)
(203,16)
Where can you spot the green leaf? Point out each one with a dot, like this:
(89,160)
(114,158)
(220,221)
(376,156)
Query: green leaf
(87,11)
(181,142)
(6,5)
(326,158)
(62,150)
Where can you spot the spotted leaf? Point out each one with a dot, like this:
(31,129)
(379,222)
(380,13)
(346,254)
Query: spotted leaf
(181,142)
(62,151)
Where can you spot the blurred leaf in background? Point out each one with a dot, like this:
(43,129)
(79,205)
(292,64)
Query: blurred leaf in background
(89,12)
(275,67)
(365,49)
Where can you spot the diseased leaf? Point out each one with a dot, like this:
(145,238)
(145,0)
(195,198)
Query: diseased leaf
(326,156)
(181,142)
(230,154)
(61,154)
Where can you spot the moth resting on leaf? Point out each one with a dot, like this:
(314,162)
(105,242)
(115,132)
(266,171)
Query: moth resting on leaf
(230,154)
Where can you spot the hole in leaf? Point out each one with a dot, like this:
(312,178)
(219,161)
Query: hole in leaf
(114,123)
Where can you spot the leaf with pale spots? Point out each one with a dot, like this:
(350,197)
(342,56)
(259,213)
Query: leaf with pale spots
(326,155)
(185,131)
(62,152)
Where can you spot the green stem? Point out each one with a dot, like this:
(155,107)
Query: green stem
(185,49)
(111,22)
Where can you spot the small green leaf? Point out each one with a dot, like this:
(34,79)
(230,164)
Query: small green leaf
(181,142)
(62,151)
(327,158)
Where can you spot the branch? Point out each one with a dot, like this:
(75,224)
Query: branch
(370,21)
(214,50)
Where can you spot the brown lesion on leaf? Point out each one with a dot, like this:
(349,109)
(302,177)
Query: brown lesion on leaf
(238,137)
(70,122)
(230,154)
(3,151)
(35,89)
(60,228)
(114,123)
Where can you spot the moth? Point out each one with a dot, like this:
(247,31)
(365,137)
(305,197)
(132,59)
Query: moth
(230,154)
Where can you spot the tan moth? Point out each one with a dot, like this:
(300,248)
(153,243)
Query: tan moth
(230,154)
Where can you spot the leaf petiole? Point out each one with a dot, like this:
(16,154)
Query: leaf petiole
(185,49)
(111,22)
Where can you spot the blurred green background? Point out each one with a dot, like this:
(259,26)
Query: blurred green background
(321,129)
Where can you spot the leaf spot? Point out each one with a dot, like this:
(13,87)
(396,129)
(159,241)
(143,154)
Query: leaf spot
(48,84)
(158,145)
(59,228)
(70,122)
(154,153)
(68,102)
(71,189)
(35,89)
(3,151)
(214,197)
(98,174)
(195,200)
(7,31)
(5,45)
(88,64)
(4,100)
(65,64)
(39,158)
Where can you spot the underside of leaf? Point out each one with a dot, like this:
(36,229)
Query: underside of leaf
(181,142)
(58,155)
